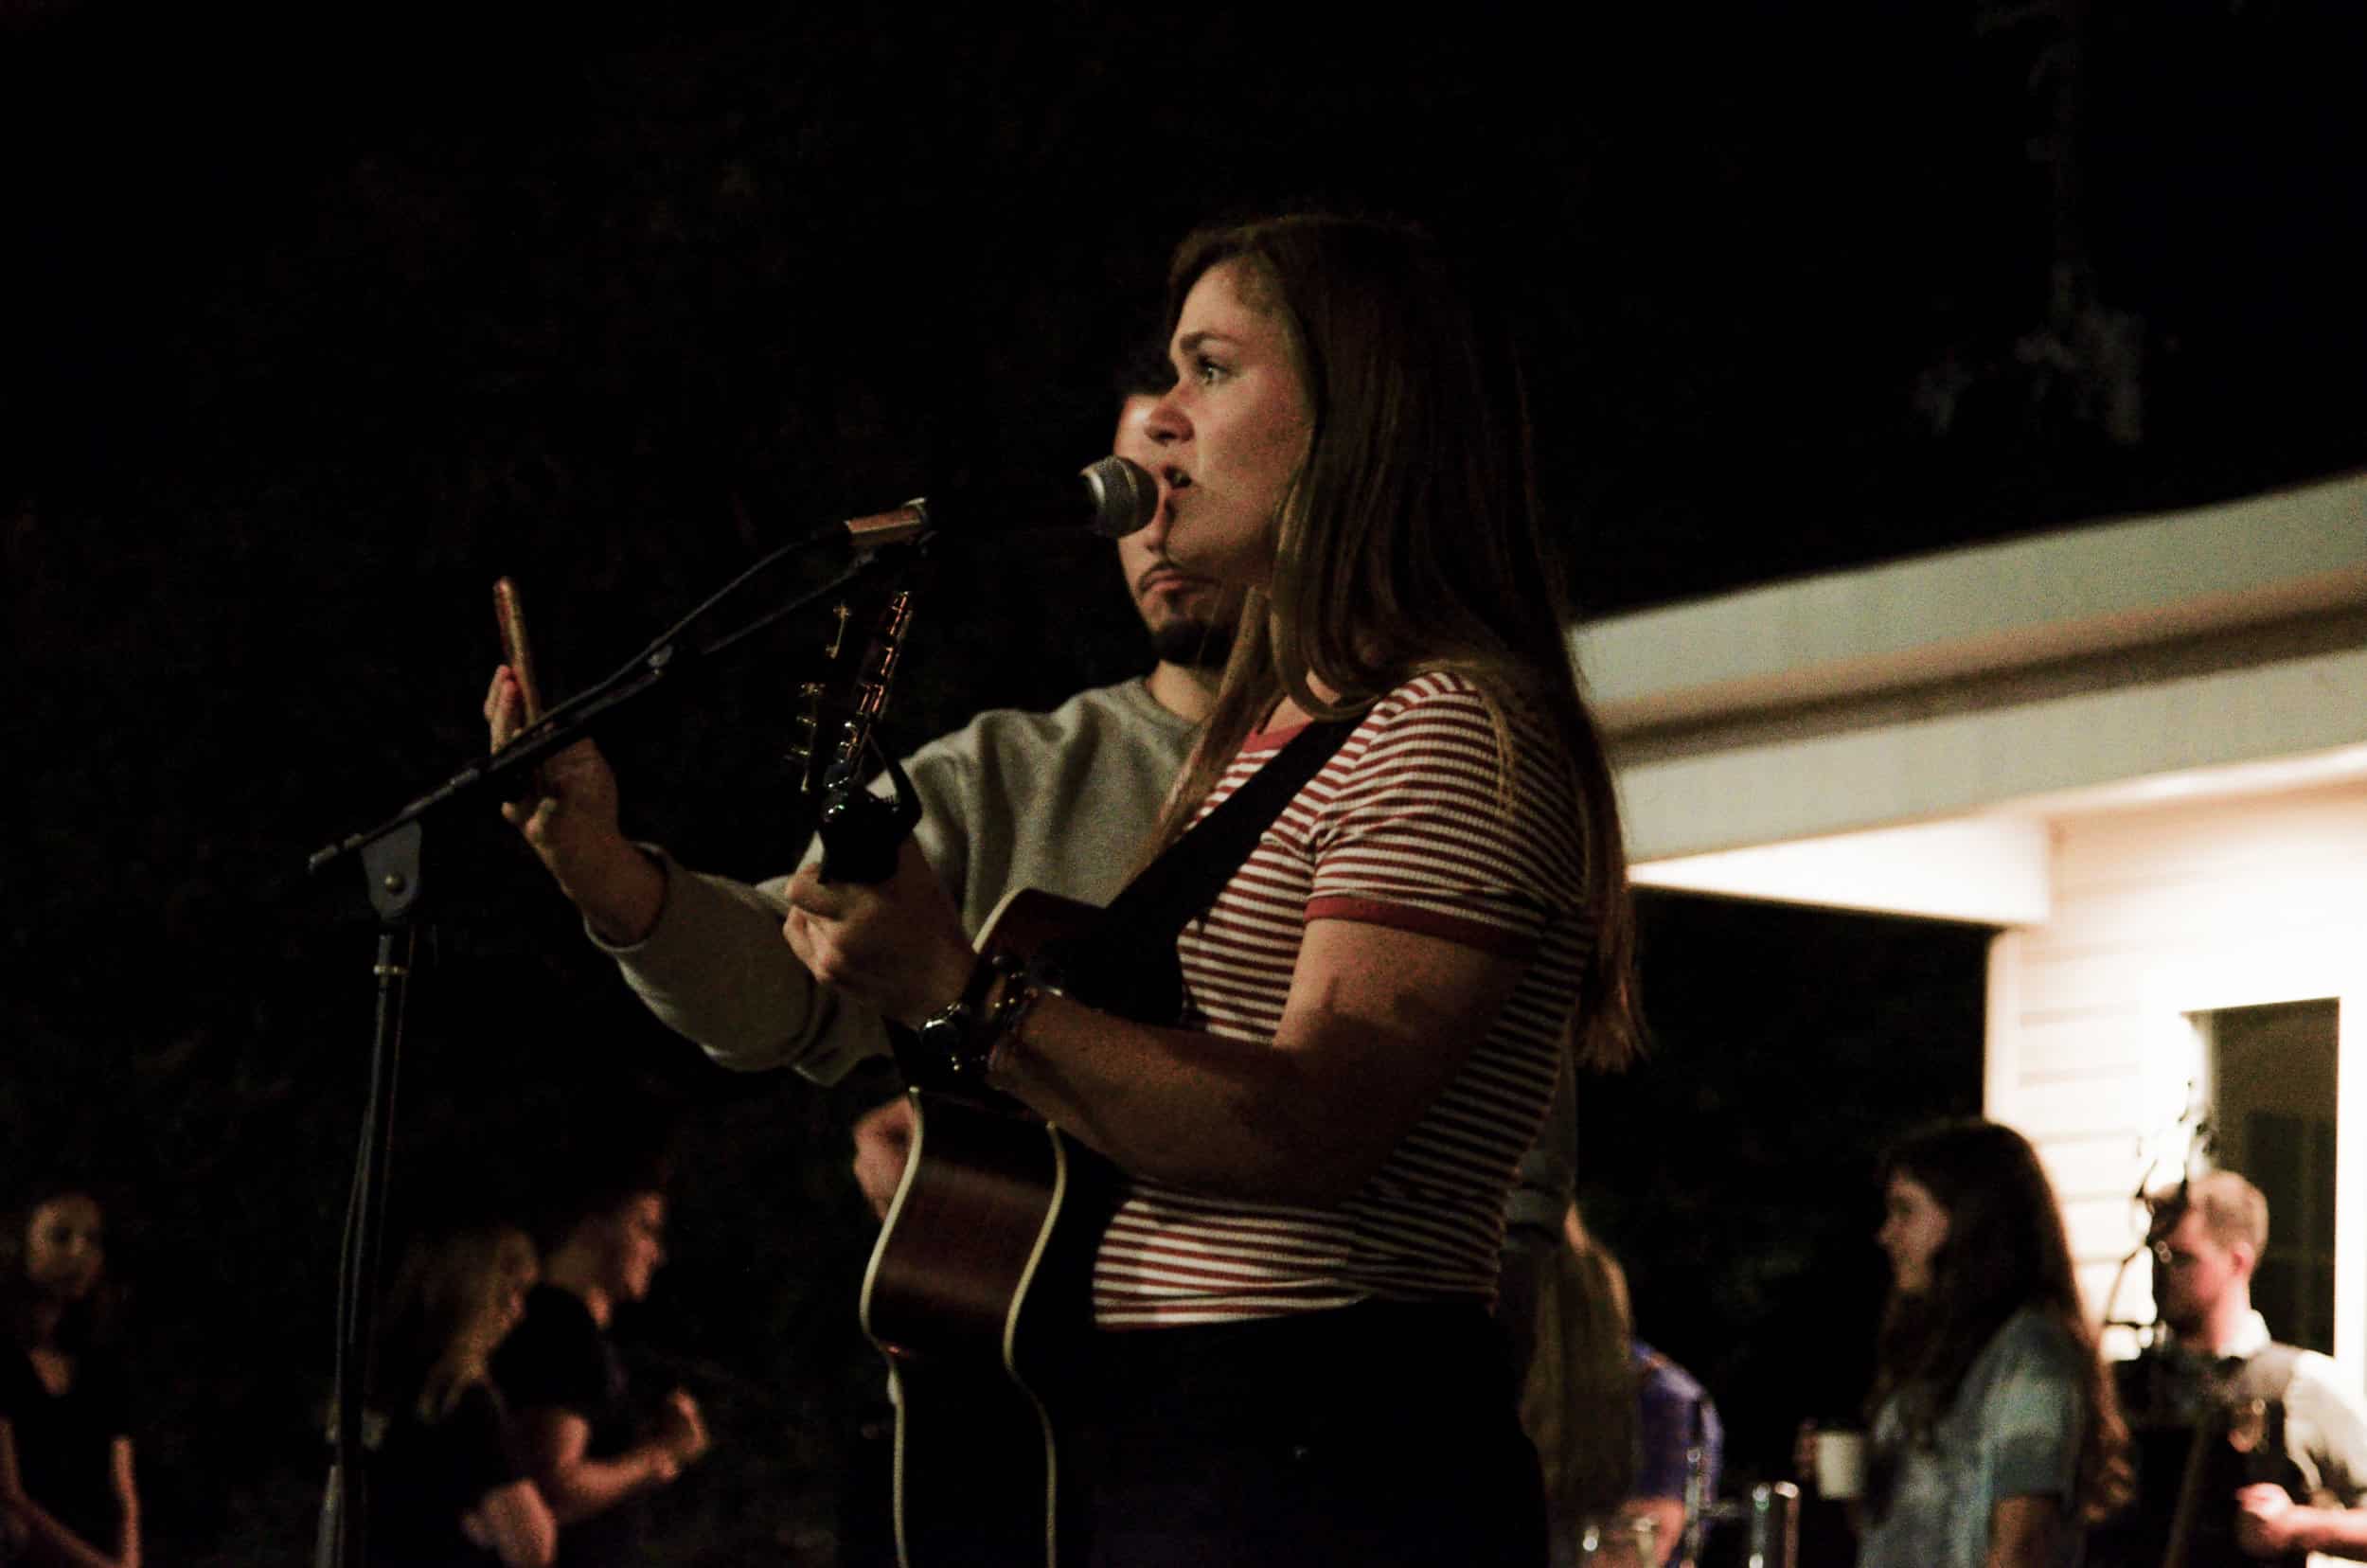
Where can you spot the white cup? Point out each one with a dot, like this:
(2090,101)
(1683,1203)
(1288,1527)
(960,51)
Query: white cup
(1628,1541)
(1840,1464)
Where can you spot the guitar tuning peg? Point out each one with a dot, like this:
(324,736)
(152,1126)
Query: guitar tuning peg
(842,614)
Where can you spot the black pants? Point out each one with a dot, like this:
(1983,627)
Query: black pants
(1382,1435)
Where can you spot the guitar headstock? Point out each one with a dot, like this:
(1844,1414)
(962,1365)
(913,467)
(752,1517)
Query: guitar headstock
(840,713)
(861,831)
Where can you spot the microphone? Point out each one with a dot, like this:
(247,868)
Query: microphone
(1110,496)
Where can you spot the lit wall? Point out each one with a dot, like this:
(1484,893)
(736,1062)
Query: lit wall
(2162,911)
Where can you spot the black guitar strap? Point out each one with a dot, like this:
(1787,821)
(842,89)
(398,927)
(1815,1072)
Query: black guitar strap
(1127,964)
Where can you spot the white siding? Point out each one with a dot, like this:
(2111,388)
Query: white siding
(2160,912)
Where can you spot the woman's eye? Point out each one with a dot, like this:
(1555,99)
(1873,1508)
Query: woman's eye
(1207,370)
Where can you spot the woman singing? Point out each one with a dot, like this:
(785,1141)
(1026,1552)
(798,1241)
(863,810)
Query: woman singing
(1996,1434)
(1294,1360)
(66,1493)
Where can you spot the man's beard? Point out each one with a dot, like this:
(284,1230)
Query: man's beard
(1194,642)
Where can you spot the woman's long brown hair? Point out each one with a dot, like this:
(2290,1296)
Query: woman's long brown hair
(1578,1400)
(440,1311)
(1410,540)
(2004,1251)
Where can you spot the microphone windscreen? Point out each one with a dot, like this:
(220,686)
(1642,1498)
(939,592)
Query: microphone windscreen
(1124,497)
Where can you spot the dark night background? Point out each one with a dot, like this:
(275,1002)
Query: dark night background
(316,320)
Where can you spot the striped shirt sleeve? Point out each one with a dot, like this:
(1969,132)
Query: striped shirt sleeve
(1426,829)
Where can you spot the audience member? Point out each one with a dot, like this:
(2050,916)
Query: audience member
(445,1489)
(1996,1435)
(2246,1449)
(1615,1422)
(577,1430)
(67,1491)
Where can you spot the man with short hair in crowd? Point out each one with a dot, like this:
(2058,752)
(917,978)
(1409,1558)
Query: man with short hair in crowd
(577,1431)
(2248,1449)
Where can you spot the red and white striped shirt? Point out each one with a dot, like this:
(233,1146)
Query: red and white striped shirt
(1404,827)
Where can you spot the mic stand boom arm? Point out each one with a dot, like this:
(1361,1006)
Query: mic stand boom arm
(391,855)
(575,719)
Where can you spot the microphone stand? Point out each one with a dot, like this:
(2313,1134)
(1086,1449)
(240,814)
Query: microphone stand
(2160,1217)
(392,854)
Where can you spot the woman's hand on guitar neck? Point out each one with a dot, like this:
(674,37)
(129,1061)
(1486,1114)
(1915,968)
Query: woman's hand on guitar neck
(897,947)
(571,823)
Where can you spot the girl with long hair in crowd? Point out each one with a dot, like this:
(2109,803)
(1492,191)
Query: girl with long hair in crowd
(1618,1426)
(1996,1437)
(1294,1360)
(444,1491)
(67,1496)
(1578,1398)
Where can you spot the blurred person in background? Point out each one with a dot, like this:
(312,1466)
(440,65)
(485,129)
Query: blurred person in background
(1615,1422)
(2247,1450)
(67,1496)
(1996,1435)
(578,1430)
(446,1491)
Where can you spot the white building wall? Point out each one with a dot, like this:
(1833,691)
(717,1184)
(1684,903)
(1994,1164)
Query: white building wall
(2161,912)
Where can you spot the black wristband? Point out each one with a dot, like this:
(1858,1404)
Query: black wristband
(955,1040)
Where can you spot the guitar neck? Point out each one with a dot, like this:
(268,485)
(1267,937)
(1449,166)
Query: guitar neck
(860,832)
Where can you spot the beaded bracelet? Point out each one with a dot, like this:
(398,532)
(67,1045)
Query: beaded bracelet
(1016,993)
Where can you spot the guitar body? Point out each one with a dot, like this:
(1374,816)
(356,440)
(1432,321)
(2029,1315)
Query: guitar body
(982,1271)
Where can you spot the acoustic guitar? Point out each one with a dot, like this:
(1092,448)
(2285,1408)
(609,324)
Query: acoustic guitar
(981,1273)
(995,1218)
(980,1278)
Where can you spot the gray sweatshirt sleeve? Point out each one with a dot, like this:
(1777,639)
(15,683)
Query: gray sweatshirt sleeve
(1056,800)
(716,969)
